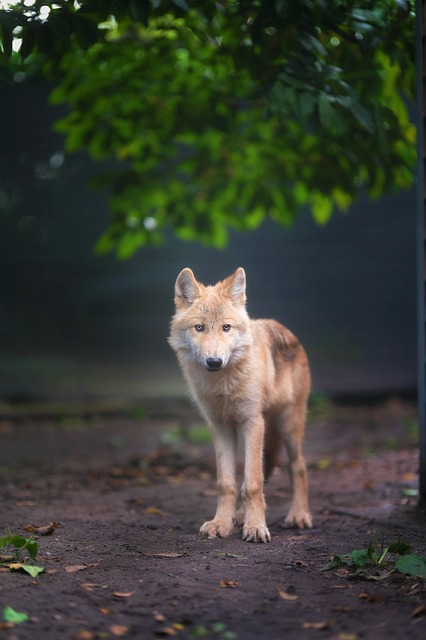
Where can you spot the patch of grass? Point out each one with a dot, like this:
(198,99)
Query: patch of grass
(197,434)
(137,413)
(392,444)
(216,630)
(73,423)
(321,406)
(412,428)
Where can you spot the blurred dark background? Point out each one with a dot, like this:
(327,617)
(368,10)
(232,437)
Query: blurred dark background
(77,327)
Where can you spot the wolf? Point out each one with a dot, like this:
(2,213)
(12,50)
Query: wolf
(251,381)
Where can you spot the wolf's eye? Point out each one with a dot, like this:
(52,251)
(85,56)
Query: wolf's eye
(199,327)
(226,327)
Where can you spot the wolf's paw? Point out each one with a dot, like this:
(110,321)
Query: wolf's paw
(258,533)
(298,519)
(216,529)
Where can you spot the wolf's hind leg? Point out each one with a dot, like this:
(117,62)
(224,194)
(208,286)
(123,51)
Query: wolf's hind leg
(293,431)
(273,444)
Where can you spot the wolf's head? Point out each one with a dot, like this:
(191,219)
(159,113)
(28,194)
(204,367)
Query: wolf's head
(211,325)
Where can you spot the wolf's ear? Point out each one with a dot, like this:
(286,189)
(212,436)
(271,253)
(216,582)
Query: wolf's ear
(186,289)
(235,286)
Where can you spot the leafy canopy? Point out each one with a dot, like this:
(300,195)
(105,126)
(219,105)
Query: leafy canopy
(217,114)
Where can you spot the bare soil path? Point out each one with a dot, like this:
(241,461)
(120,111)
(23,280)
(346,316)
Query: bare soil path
(124,558)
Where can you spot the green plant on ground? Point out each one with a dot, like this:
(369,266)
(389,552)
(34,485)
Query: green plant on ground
(378,561)
(21,545)
(216,630)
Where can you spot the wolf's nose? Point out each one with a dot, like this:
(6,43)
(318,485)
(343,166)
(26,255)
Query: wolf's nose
(213,364)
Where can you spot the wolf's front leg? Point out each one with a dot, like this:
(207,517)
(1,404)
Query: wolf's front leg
(254,527)
(222,525)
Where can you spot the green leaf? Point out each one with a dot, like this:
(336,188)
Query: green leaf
(28,42)
(410,492)
(321,207)
(329,116)
(14,617)
(307,103)
(6,41)
(19,542)
(33,570)
(60,24)
(129,243)
(363,116)
(9,20)
(337,560)
(32,548)
(360,557)
(85,30)
(399,548)
(412,565)
(139,10)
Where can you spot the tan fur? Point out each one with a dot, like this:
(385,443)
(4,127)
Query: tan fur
(257,393)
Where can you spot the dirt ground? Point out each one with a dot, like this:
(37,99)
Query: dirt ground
(128,491)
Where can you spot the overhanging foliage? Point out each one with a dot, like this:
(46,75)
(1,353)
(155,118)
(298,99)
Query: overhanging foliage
(219,114)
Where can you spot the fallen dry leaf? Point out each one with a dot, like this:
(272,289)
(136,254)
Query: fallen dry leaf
(419,611)
(319,626)
(166,631)
(171,554)
(43,530)
(76,567)
(15,566)
(288,596)
(228,584)
(371,597)
(159,617)
(345,609)
(347,636)
(409,476)
(154,511)
(105,611)
(90,586)
(121,594)
(118,630)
